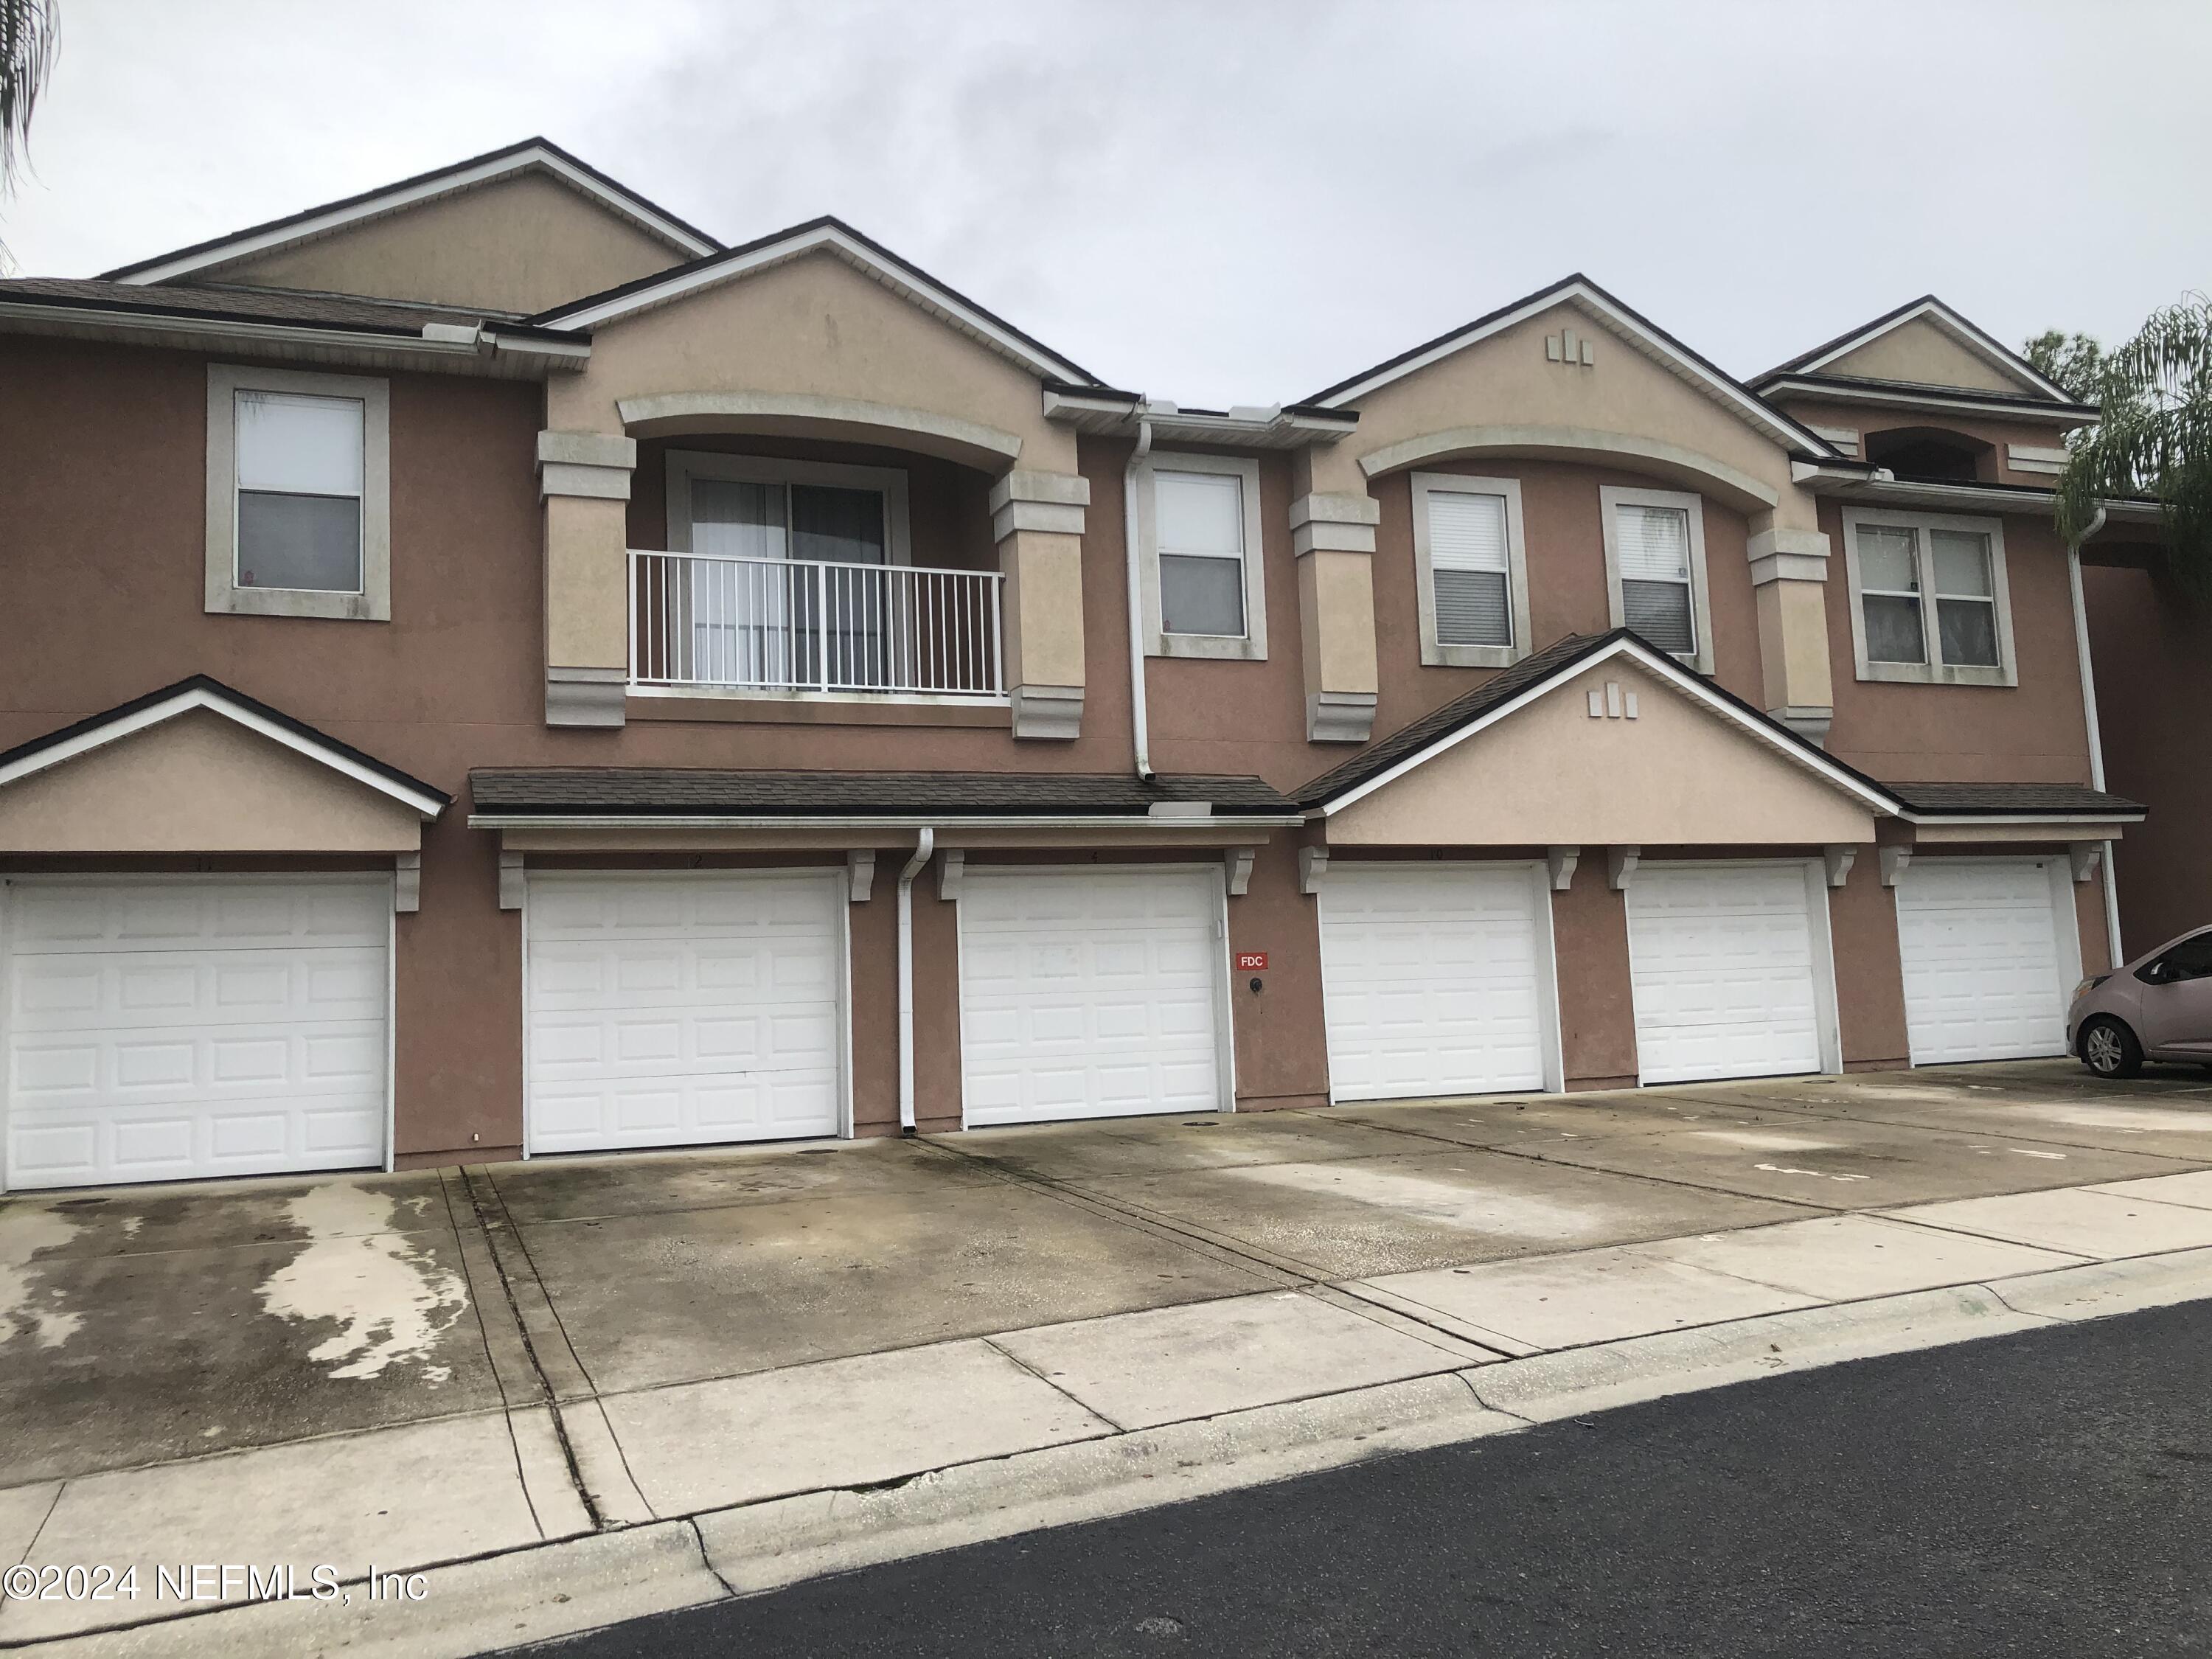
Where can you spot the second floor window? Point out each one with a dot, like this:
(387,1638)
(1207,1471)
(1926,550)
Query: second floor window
(1201,541)
(1654,557)
(1929,598)
(1198,526)
(1470,569)
(298,494)
(298,491)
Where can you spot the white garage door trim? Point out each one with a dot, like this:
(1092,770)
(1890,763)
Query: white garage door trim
(1224,1012)
(382,883)
(1550,1048)
(2066,947)
(1826,1023)
(832,878)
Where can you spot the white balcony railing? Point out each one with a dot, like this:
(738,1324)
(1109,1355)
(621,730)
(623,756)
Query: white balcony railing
(713,621)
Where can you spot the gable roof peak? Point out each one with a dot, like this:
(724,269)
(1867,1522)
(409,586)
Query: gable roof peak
(533,155)
(1947,318)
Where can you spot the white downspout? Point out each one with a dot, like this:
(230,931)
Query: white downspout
(925,844)
(1140,727)
(2113,945)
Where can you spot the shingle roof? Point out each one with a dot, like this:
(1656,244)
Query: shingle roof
(631,791)
(1380,756)
(240,304)
(2029,799)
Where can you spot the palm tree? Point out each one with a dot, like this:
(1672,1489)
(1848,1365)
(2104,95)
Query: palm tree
(2153,431)
(27,57)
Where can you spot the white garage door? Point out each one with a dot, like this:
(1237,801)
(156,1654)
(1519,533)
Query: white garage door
(1982,957)
(1089,994)
(1431,979)
(168,1030)
(673,1010)
(1727,982)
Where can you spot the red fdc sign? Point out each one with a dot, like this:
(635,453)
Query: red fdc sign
(1251,961)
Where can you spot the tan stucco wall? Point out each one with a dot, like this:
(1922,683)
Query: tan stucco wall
(1506,380)
(814,326)
(1793,639)
(199,783)
(1336,621)
(586,583)
(1923,354)
(522,244)
(1549,775)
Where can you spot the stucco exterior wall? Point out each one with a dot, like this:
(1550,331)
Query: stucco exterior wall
(1920,352)
(2033,733)
(523,243)
(1549,775)
(2151,648)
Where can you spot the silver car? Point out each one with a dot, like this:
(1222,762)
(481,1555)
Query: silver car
(2157,1007)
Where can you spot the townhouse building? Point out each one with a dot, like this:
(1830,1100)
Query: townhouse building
(488,670)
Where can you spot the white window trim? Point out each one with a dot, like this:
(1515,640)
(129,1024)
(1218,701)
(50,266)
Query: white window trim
(1253,646)
(1933,672)
(685,464)
(1610,498)
(1435,653)
(224,597)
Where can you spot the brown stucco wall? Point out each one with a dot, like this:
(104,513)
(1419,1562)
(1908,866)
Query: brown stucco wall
(1282,1041)
(1869,974)
(1869,419)
(2033,733)
(2151,646)
(1597,1002)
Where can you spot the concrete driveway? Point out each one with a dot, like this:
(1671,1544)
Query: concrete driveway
(482,1360)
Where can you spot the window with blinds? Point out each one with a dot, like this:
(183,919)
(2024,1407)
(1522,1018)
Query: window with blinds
(1199,518)
(300,469)
(1653,548)
(1470,568)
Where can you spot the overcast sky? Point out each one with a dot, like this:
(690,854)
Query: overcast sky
(1224,201)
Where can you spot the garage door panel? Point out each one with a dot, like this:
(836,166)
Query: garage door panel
(1430,979)
(1723,966)
(1089,994)
(1978,944)
(170,1030)
(683,1010)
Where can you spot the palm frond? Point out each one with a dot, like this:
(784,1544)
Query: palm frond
(2153,437)
(27,58)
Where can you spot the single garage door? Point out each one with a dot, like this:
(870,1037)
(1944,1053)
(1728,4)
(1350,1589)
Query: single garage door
(1090,993)
(1982,957)
(1726,964)
(675,1009)
(170,1030)
(1433,977)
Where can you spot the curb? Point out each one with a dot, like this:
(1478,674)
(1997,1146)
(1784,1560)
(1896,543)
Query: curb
(562,1588)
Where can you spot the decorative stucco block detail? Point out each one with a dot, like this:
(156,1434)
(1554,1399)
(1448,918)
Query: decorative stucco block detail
(585,696)
(1047,711)
(592,464)
(1340,716)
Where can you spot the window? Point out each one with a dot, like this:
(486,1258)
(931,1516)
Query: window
(1928,600)
(1471,570)
(1655,567)
(770,598)
(1199,525)
(2191,959)
(298,494)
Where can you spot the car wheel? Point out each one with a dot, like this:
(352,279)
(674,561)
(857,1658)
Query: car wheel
(2110,1050)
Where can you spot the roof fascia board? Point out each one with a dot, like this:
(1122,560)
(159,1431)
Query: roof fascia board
(1218,820)
(503,164)
(1934,492)
(199,697)
(893,273)
(2029,815)
(1747,403)
(1839,389)
(1951,323)
(1691,684)
(230,328)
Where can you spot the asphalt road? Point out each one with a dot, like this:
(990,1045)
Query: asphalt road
(2046,1494)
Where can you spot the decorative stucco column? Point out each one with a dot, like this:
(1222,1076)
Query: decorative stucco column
(1037,520)
(1790,575)
(583,478)
(1333,537)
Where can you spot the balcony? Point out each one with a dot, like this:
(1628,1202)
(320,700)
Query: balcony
(717,624)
